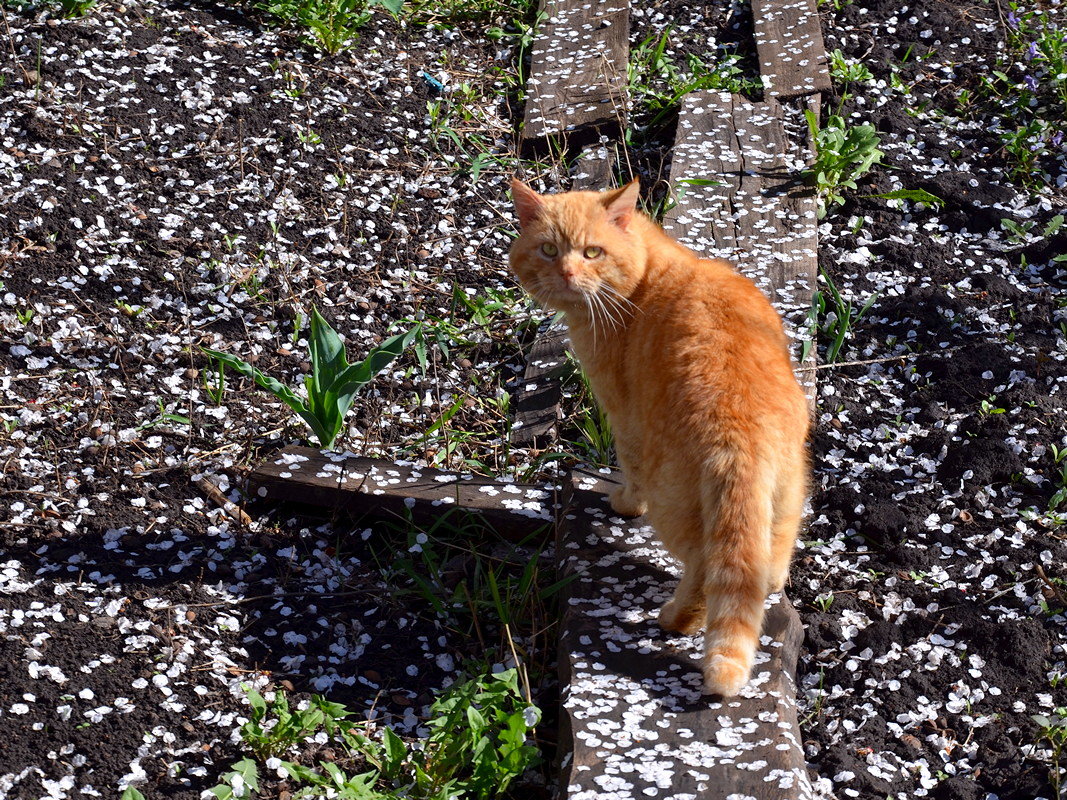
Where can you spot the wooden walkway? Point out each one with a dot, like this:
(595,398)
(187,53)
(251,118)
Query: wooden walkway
(634,722)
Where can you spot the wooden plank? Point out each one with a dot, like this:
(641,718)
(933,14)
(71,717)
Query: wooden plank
(577,83)
(384,488)
(537,411)
(790,48)
(594,168)
(740,196)
(634,717)
(537,405)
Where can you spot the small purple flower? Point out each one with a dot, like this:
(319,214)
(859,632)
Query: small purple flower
(1013,21)
(1031,83)
(1031,51)
(1057,139)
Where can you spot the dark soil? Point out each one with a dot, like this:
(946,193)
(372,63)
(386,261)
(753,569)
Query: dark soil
(181,175)
(931,531)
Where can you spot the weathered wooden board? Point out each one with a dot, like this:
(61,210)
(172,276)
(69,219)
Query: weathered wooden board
(790,48)
(537,405)
(578,62)
(633,712)
(740,196)
(537,411)
(372,486)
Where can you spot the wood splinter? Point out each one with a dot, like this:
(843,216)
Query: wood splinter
(215,495)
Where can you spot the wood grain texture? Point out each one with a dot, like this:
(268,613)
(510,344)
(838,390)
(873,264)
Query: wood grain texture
(362,485)
(634,719)
(790,48)
(537,404)
(578,62)
(737,177)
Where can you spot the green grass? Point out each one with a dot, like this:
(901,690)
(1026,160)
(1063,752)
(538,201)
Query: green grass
(836,317)
(328,25)
(479,742)
(467,577)
(657,82)
(843,154)
(587,432)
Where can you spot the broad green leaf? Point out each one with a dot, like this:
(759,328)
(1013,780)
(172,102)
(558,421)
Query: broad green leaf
(476,720)
(355,377)
(132,793)
(327,358)
(395,752)
(393,6)
(278,389)
(275,387)
(249,773)
(255,699)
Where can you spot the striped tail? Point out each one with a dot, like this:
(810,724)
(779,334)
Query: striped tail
(735,584)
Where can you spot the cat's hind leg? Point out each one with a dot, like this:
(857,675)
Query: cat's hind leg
(686,610)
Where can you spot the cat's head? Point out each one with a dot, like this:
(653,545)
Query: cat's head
(575,246)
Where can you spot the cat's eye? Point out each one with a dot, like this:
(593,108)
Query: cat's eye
(549,249)
(593,252)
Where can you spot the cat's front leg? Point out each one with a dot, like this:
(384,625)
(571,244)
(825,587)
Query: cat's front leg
(625,499)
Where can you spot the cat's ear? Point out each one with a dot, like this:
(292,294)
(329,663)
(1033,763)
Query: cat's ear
(621,204)
(528,203)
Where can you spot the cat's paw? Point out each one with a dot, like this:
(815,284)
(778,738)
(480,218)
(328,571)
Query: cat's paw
(723,675)
(624,502)
(776,583)
(673,617)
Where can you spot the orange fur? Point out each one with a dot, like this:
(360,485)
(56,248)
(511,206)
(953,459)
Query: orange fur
(689,360)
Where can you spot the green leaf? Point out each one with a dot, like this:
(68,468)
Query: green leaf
(915,195)
(356,376)
(132,793)
(278,389)
(249,773)
(395,753)
(393,6)
(701,182)
(327,353)
(255,699)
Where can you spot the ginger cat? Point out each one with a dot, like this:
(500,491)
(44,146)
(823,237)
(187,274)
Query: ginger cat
(691,365)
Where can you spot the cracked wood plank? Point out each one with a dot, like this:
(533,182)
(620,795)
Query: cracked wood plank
(790,48)
(736,171)
(578,72)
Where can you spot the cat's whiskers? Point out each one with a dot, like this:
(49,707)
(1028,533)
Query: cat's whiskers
(607,311)
(620,299)
(592,315)
(618,304)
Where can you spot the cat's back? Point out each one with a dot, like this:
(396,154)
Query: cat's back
(707,335)
(709,296)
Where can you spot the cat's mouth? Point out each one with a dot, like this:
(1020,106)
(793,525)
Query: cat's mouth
(605,305)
